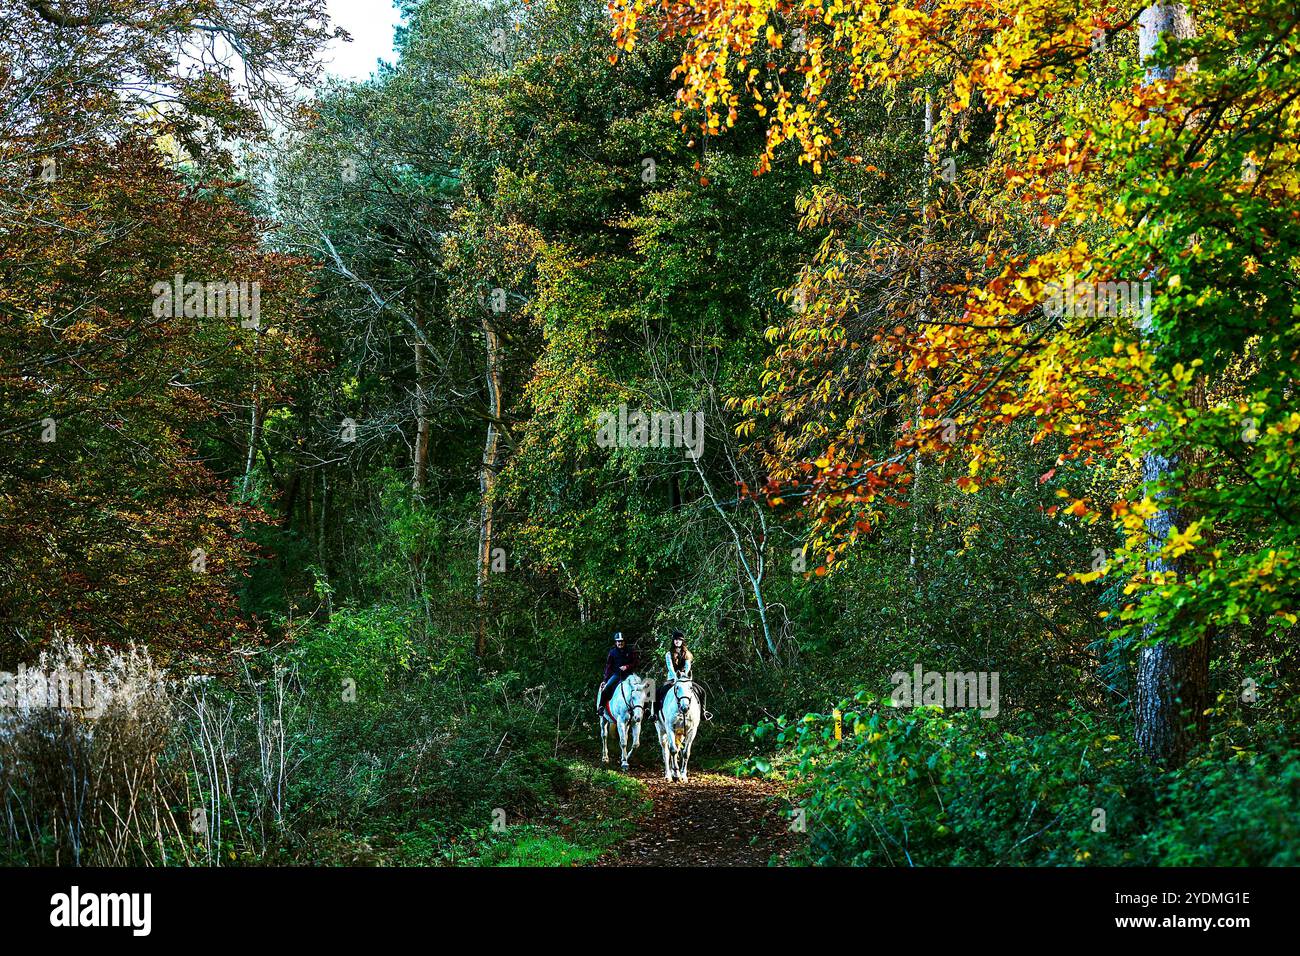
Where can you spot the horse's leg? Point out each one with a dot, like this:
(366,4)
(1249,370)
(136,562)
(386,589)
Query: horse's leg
(624,732)
(663,743)
(686,751)
(604,741)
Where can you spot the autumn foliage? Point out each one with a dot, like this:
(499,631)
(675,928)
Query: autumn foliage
(1063,166)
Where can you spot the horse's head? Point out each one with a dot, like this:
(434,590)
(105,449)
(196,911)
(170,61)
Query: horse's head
(684,692)
(637,705)
(638,691)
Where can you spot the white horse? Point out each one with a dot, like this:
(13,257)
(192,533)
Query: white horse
(628,706)
(678,720)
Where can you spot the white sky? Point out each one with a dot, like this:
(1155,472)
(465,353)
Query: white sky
(371,24)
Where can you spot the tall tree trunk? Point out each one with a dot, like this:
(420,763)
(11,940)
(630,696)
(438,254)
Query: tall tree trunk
(487,476)
(322,520)
(290,501)
(921,392)
(255,427)
(1173,681)
(420,469)
(254,438)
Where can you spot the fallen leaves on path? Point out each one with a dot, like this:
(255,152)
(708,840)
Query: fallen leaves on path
(710,820)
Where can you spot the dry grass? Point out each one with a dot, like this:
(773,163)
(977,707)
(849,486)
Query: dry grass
(157,771)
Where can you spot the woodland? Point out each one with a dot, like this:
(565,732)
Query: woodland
(343,423)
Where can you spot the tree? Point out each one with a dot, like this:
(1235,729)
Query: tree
(140,321)
(1094,196)
(1173,681)
(123,398)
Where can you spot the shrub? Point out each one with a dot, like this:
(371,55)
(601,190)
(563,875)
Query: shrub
(928,787)
(363,649)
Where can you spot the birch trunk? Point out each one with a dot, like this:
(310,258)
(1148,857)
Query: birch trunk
(487,476)
(420,469)
(1173,680)
(255,426)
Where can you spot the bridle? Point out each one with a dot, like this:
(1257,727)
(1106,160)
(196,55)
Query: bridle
(633,706)
(683,699)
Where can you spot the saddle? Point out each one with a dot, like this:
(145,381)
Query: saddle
(605,697)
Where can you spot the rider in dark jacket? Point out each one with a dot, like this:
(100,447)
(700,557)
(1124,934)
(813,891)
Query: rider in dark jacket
(620,663)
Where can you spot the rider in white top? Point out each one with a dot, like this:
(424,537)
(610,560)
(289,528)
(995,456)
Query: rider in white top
(678,661)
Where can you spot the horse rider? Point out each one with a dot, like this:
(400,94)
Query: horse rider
(620,663)
(678,660)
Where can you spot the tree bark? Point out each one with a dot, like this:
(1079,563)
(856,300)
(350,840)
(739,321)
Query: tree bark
(290,501)
(254,437)
(420,470)
(917,463)
(1173,681)
(487,476)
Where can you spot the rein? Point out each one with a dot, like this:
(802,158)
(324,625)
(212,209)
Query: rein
(638,708)
(633,708)
(683,699)
(704,691)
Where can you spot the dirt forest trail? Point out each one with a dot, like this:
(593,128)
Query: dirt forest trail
(710,820)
